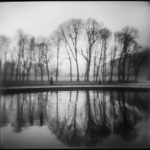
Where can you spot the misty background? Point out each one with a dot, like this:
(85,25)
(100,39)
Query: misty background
(41,19)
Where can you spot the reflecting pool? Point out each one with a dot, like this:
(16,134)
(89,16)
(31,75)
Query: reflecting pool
(62,119)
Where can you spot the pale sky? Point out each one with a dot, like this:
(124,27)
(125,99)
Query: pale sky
(41,18)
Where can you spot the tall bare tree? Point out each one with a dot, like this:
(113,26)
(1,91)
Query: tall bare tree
(56,39)
(64,39)
(40,58)
(99,61)
(92,28)
(137,59)
(30,56)
(22,55)
(44,56)
(105,35)
(70,61)
(94,66)
(126,38)
(12,69)
(112,61)
(72,30)
(35,59)
(47,59)
(4,45)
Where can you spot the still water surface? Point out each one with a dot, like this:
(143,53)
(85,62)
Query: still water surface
(61,119)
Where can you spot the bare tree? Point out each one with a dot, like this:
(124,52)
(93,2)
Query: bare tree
(94,66)
(137,59)
(126,38)
(47,59)
(44,56)
(25,55)
(64,39)
(35,60)
(105,35)
(112,61)
(56,39)
(30,56)
(4,45)
(12,69)
(72,31)
(128,65)
(99,63)
(70,61)
(40,58)
(19,57)
(92,28)
(22,54)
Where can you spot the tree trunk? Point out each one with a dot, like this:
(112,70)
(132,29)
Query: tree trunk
(0,70)
(17,69)
(119,70)
(23,73)
(20,75)
(124,61)
(104,63)
(47,71)
(128,73)
(88,69)
(76,60)
(35,72)
(70,62)
(28,74)
(12,72)
(4,75)
(41,67)
(17,73)
(123,70)
(100,58)
(70,69)
(94,71)
(77,70)
(111,72)
(89,63)
(57,70)
(85,77)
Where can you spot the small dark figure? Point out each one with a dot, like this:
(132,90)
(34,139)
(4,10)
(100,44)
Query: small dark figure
(51,81)
(99,81)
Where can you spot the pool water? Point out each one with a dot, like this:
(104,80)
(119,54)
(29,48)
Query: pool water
(80,119)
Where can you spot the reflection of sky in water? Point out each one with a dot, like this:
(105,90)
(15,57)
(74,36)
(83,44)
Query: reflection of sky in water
(28,137)
(75,118)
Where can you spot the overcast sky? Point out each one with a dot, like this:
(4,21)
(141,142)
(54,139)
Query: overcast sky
(41,18)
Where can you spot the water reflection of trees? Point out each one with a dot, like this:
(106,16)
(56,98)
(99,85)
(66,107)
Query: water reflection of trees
(127,118)
(3,112)
(105,113)
(78,118)
(23,110)
(98,126)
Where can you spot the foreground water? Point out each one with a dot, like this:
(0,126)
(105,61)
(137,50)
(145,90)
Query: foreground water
(60,119)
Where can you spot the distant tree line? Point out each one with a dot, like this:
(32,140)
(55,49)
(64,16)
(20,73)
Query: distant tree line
(109,54)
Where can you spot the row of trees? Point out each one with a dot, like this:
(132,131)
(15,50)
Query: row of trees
(109,53)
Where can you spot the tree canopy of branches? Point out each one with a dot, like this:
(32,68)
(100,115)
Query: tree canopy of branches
(89,43)
(126,38)
(71,32)
(92,28)
(56,39)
